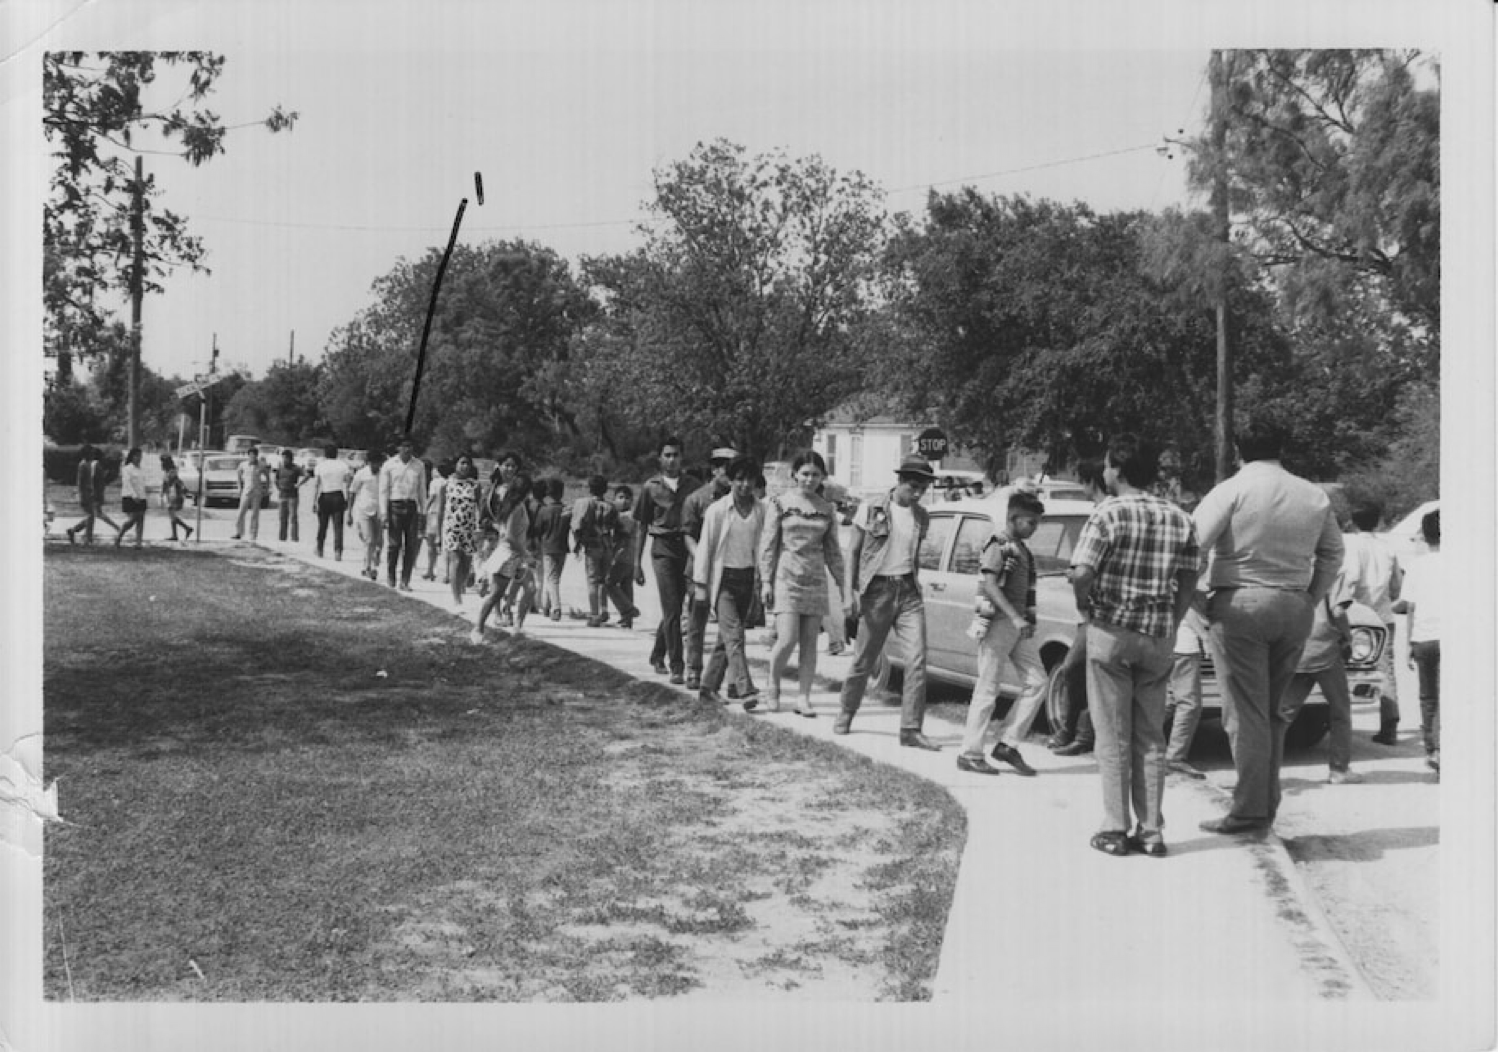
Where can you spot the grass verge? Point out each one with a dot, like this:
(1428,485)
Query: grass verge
(285,785)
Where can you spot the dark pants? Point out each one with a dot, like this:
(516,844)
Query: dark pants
(890,604)
(735,597)
(1076,720)
(405,535)
(697,626)
(289,514)
(668,558)
(621,583)
(1427,655)
(330,508)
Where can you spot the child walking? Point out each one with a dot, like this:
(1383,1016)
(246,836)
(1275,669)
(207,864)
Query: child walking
(173,493)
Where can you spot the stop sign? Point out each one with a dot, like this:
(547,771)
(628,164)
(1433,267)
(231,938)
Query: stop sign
(932,443)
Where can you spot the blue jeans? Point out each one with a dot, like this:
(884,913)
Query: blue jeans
(1333,683)
(668,558)
(1003,643)
(1126,674)
(288,514)
(551,582)
(1258,635)
(891,604)
(1427,655)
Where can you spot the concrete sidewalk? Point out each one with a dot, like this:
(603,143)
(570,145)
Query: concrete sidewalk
(1037,913)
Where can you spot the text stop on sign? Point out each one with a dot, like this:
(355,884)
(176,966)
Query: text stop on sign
(931,443)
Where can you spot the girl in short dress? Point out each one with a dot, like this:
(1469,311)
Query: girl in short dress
(510,558)
(460,524)
(798,548)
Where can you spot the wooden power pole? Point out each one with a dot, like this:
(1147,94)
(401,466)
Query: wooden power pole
(137,293)
(1218,72)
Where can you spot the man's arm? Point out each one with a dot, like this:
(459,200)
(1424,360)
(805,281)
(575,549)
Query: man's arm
(382,491)
(1329,549)
(1081,588)
(1186,578)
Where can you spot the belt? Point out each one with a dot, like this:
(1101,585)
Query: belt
(402,502)
(893,577)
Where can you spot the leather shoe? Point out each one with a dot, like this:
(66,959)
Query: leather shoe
(1231,824)
(1184,768)
(694,681)
(843,724)
(711,696)
(678,678)
(660,667)
(1076,748)
(916,740)
(1010,755)
(975,765)
(1058,741)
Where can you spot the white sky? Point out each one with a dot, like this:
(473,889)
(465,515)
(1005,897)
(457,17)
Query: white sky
(565,107)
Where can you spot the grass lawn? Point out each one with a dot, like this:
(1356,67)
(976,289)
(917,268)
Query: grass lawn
(286,785)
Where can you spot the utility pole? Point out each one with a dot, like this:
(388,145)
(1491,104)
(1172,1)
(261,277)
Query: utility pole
(1218,72)
(137,294)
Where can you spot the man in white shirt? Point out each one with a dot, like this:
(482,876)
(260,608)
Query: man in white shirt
(330,480)
(254,480)
(403,501)
(364,512)
(886,595)
(1373,572)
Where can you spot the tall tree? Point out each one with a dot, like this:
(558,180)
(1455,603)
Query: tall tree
(281,407)
(1035,325)
(1332,160)
(496,360)
(734,319)
(103,236)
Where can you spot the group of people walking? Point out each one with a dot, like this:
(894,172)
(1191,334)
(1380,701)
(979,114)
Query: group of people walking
(93,478)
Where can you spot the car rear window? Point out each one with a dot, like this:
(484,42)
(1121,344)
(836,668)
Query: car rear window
(1054,542)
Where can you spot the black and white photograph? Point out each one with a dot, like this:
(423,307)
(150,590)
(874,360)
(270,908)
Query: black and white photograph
(834,525)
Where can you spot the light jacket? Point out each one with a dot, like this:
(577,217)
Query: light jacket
(707,568)
(876,539)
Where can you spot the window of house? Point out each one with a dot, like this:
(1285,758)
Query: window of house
(855,461)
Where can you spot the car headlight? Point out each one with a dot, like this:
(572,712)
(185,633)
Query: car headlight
(1366,643)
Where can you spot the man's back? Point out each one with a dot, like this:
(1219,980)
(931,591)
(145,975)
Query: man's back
(1370,568)
(1262,528)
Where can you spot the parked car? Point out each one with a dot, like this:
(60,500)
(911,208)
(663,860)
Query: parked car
(308,457)
(1405,538)
(949,559)
(221,480)
(188,464)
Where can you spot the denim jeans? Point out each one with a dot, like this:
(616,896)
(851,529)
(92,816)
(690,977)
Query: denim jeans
(1185,704)
(1126,674)
(735,595)
(249,505)
(1388,688)
(1427,655)
(621,588)
(1333,683)
(330,509)
(1002,643)
(891,604)
(551,582)
(1258,635)
(404,529)
(289,514)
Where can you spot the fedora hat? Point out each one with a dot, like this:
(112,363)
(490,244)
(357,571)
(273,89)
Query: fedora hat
(915,465)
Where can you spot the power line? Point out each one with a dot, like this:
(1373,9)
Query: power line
(1026,168)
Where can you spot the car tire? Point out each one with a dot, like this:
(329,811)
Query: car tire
(1310,726)
(1054,709)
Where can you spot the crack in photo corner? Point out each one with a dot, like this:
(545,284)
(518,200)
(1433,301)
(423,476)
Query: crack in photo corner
(11,55)
(23,794)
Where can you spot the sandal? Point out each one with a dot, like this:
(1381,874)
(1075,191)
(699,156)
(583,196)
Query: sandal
(1111,843)
(807,711)
(773,704)
(1152,848)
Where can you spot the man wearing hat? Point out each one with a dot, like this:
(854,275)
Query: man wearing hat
(692,512)
(885,594)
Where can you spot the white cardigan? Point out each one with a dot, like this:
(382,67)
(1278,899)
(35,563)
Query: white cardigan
(707,567)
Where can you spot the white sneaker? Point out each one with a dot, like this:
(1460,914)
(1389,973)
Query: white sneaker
(1344,778)
(476,637)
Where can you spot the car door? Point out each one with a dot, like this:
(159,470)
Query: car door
(949,608)
(932,560)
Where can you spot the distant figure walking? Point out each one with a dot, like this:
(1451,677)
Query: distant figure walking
(91,482)
(460,524)
(403,499)
(511,557)
(364,512)
(330,481)
(173,494)
(254,481)
(132,497)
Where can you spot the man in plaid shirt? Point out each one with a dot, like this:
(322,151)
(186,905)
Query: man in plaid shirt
(1133,573)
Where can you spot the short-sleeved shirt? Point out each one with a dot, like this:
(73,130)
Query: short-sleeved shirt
(553,523)
(1136,545)
(1370,568)
(898,553)
(1011,563)
(332,475)
(1422,587)
(287,477)
(366,492)
(253,475)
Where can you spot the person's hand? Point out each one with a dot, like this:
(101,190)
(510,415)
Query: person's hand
(639,575)
(1028,631)
(852,606)
(702,593)
(767,596)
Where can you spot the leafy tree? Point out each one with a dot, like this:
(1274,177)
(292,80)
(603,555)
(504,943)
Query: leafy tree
(733,321)
(95,106)
(1035,325)
(496,361)
(1332,160)
(72,414)
(282,407)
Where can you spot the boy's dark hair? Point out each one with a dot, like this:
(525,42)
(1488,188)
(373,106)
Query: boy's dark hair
(760,482)
(1367,515)
(540,489)
(1090,472)
(598,485)
(625,492)
(1430,526)
(1022,503)
(374,458)
(742,468)
(1262,439)
(447,467)
(1138,462)
(672,440)
(555,488)
(330,451)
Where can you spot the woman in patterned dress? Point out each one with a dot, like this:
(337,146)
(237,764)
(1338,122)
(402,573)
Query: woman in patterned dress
(797,549)
(460,523)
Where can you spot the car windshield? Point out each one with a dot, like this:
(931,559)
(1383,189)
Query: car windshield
(223,463)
